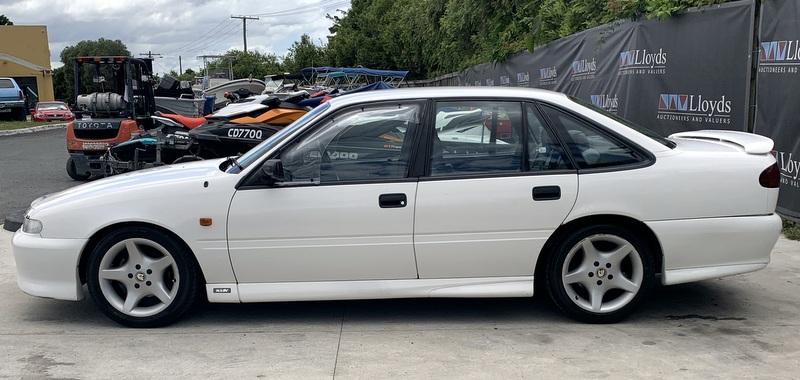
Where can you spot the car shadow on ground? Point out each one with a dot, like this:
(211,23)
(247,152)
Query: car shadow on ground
(707,300)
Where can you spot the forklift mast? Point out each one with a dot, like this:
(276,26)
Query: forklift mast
(131,82)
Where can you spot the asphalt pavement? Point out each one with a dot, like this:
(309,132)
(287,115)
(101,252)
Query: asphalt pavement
(31,165)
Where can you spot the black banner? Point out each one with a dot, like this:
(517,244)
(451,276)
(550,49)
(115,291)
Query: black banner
(779,83)
(689,72)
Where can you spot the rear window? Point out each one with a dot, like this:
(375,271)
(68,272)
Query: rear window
(6,83)
(661,139)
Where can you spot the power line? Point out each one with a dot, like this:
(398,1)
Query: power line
(223,39)
(221,28)
(202,44)
(305,9)
(208,32)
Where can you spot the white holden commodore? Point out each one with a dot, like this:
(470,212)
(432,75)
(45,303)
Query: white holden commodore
(442,192)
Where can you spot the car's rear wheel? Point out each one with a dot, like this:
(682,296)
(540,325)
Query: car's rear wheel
(599,274)
(21,115)
(72,171)
(142,277)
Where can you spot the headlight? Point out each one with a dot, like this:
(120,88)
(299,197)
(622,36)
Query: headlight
(31,226)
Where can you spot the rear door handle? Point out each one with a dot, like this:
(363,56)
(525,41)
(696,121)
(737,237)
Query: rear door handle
(392,200)
(546,193)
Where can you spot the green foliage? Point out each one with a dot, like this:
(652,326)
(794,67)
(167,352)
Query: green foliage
(433,37)
(62,91)
(244,65)
(63,77)
(188,75)
(304,53)
(5,21)
(791,230)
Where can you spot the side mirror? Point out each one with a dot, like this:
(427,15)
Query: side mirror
(272,172)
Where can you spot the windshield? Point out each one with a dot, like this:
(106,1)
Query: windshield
(259,150)
(636,127)
(51,106)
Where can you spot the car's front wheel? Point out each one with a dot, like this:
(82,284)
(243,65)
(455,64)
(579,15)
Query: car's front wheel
(598,274)
(142,277)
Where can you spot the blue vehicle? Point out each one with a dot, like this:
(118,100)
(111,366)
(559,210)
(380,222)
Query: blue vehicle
(12,100)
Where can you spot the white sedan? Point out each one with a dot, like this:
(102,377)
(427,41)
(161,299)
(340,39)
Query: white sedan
(367,197)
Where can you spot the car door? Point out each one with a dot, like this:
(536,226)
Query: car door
(344,208)
(497,186)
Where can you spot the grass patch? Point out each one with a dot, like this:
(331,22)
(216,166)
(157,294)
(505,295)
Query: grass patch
(791,230)
(9,125)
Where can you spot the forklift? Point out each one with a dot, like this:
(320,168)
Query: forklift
(114,102)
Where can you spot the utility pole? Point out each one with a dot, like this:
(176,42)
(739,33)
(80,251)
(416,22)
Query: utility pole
(244,27)
(180,66)
(150,54)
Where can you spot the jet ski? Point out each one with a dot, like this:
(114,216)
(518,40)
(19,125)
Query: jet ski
(240,126)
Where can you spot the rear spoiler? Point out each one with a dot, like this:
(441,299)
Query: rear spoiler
(749,142)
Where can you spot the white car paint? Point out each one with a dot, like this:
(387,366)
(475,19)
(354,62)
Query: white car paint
(702,200)
(462,224)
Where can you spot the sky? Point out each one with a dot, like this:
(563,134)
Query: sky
(186,28)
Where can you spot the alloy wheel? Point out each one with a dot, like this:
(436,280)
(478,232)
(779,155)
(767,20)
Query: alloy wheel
(602,273)
(138,277)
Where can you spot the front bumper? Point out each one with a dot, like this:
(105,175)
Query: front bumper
(48,267)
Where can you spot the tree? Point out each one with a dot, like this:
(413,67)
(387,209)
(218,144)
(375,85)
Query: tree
(247,64)
(433,37)
(5,21)
(304,53)
(62,92)
(63,79)
(187,75)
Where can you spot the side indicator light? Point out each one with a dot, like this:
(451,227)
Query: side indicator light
(205,222)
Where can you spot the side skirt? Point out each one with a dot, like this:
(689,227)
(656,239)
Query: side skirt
(372,289)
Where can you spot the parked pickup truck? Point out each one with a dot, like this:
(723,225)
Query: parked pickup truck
(12,100)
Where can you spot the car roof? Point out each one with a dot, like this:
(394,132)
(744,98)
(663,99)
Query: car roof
(447,92)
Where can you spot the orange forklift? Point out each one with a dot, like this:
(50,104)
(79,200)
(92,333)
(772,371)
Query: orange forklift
(114,101)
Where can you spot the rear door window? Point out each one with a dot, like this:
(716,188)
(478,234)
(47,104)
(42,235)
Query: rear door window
(590,147)
(473,137)
(6,83)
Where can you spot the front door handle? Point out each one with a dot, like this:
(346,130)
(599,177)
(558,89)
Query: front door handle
(546,193)
(392,200)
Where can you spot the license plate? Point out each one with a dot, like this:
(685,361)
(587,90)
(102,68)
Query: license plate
(95,146)
(5,109)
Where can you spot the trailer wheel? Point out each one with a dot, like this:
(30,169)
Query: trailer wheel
(73,173)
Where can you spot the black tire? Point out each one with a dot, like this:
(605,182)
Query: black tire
(189,286)
(21,115)
(73,173)
(555,281)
